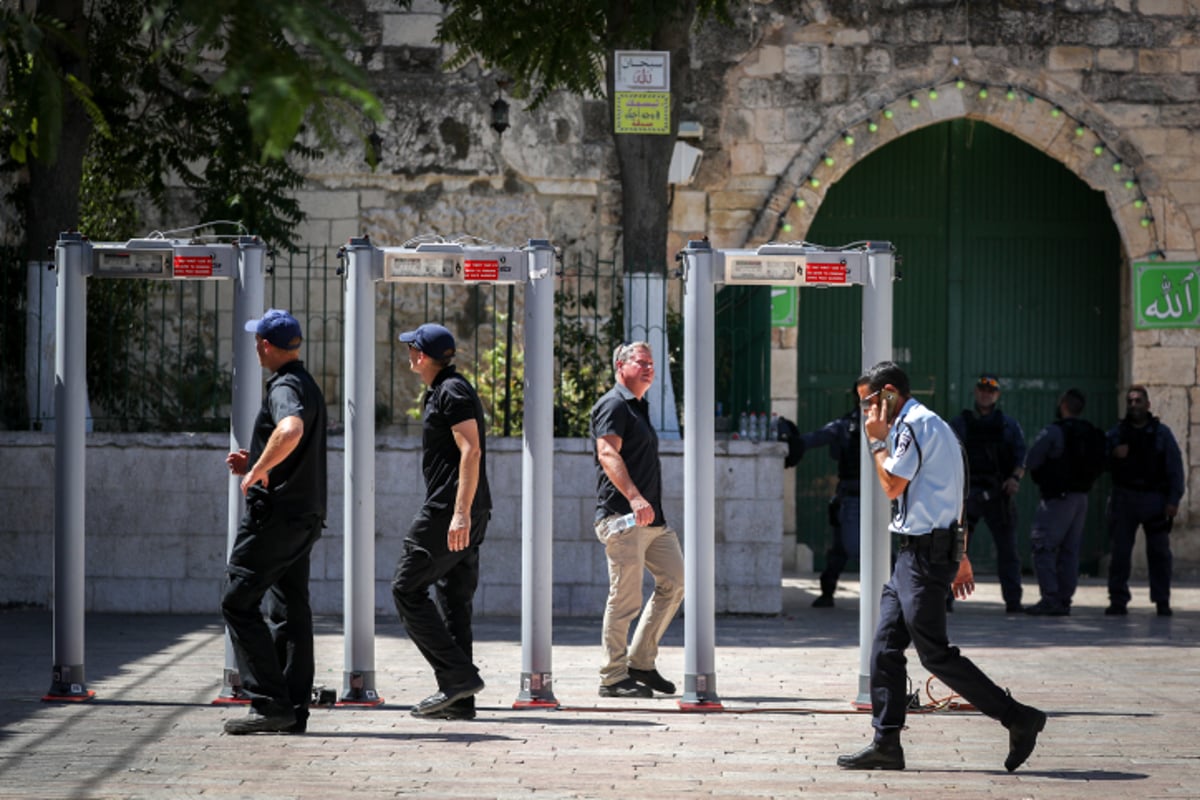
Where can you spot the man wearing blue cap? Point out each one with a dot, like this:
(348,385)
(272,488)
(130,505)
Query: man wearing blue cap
(284,481)
(441,549)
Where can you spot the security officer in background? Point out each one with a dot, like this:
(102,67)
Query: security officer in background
(1064,468)
(1147,477)
(842,437)
(995,446)
(919,466)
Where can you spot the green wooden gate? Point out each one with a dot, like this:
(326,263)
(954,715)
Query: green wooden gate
(1009,264)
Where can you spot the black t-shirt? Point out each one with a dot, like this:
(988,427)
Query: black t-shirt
(298,484)
(448,401)
(621,414)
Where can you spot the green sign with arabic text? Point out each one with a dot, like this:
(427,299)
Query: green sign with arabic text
(1166,294)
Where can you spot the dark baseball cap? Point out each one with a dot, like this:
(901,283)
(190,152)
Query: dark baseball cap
(988,380)
(278,327)
(431,339)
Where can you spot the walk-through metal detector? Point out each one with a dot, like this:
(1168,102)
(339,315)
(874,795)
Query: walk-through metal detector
(454,263)
(75,259)
(870,264)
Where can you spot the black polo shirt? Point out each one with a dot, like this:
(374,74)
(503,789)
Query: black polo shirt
(449,400)
(621,414)
(298,484)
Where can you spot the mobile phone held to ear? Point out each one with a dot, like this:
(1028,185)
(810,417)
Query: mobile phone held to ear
(890,401)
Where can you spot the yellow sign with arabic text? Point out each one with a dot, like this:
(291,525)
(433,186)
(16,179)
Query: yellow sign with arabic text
(643,112)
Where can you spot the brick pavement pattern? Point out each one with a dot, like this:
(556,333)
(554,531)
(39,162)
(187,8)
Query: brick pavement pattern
(1119,692)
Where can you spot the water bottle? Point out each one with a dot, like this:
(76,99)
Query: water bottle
(756,427)
(621,523)
(773,431)
(744,426)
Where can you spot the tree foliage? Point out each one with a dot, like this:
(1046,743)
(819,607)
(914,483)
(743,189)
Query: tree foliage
(546,45)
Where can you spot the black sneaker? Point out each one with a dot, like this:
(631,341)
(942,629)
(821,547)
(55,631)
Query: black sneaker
(651,678)
(276,721)
(626,688)
(1164,609)
(1116,610)
(823,601)
(458,711)
(437,703)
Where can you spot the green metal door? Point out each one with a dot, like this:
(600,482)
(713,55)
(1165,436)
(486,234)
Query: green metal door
(1009,264)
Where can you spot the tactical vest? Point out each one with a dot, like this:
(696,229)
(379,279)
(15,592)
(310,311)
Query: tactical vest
(1076,469)
(1145,468)
(989,457)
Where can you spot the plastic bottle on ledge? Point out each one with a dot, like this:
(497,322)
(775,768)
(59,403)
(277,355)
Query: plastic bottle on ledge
(744,426)
(773,431)
(756,427)
(621,523)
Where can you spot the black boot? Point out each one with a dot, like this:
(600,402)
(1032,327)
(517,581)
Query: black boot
(1024,723)
(876,755)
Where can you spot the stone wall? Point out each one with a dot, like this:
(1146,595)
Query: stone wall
(776,93)
(156,524)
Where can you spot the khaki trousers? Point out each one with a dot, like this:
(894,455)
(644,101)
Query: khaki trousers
(629,553)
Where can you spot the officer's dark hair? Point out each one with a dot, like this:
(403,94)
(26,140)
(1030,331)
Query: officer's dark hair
(882,374)
(1137,387)
(1074,400)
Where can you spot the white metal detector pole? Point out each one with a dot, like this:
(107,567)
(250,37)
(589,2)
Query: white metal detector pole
(537,483)
(699,481)
(358,685)
(248,292)
(72,256)
(874,539)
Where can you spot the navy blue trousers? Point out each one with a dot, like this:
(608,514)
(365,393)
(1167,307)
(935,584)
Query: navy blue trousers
(999,511)
(1127,510)
(912,610)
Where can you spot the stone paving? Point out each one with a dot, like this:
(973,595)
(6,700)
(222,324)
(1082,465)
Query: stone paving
(1118,691)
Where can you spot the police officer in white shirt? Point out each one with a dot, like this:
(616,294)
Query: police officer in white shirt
(920,467)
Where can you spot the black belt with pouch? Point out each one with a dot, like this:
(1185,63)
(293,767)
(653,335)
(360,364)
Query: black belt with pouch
(942,545)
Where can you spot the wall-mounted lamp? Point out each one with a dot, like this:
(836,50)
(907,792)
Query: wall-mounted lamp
(499,115)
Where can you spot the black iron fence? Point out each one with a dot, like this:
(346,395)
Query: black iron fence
(159,352)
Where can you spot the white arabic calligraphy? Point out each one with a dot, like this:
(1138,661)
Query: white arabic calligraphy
(1173,310)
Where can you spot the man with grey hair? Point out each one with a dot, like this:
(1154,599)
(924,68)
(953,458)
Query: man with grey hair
(629,484)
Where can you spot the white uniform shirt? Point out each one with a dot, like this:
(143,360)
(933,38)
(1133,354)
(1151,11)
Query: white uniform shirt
(923,449)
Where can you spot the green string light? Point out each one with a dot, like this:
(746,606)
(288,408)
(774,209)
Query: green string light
(829,162)
(1130,183)
(848,139)
(933,94)
(913,101)
(1079,131)
(1098,150)
(888,113)
(872,127)
(1010,94)
(1117,166)
(801,202)
(787,227)
(1056,112)
(1141,201)
(983,93)
(960,83)
(813,181)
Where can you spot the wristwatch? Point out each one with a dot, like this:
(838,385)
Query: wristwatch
(875,445)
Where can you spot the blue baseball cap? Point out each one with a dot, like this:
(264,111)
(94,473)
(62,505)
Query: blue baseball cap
(431,339)
(278,327)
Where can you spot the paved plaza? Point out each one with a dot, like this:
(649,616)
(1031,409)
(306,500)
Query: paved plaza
(1119,692)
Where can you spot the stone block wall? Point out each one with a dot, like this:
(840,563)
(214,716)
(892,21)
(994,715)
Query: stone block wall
(156,524)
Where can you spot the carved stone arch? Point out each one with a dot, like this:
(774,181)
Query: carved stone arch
(1056,120)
